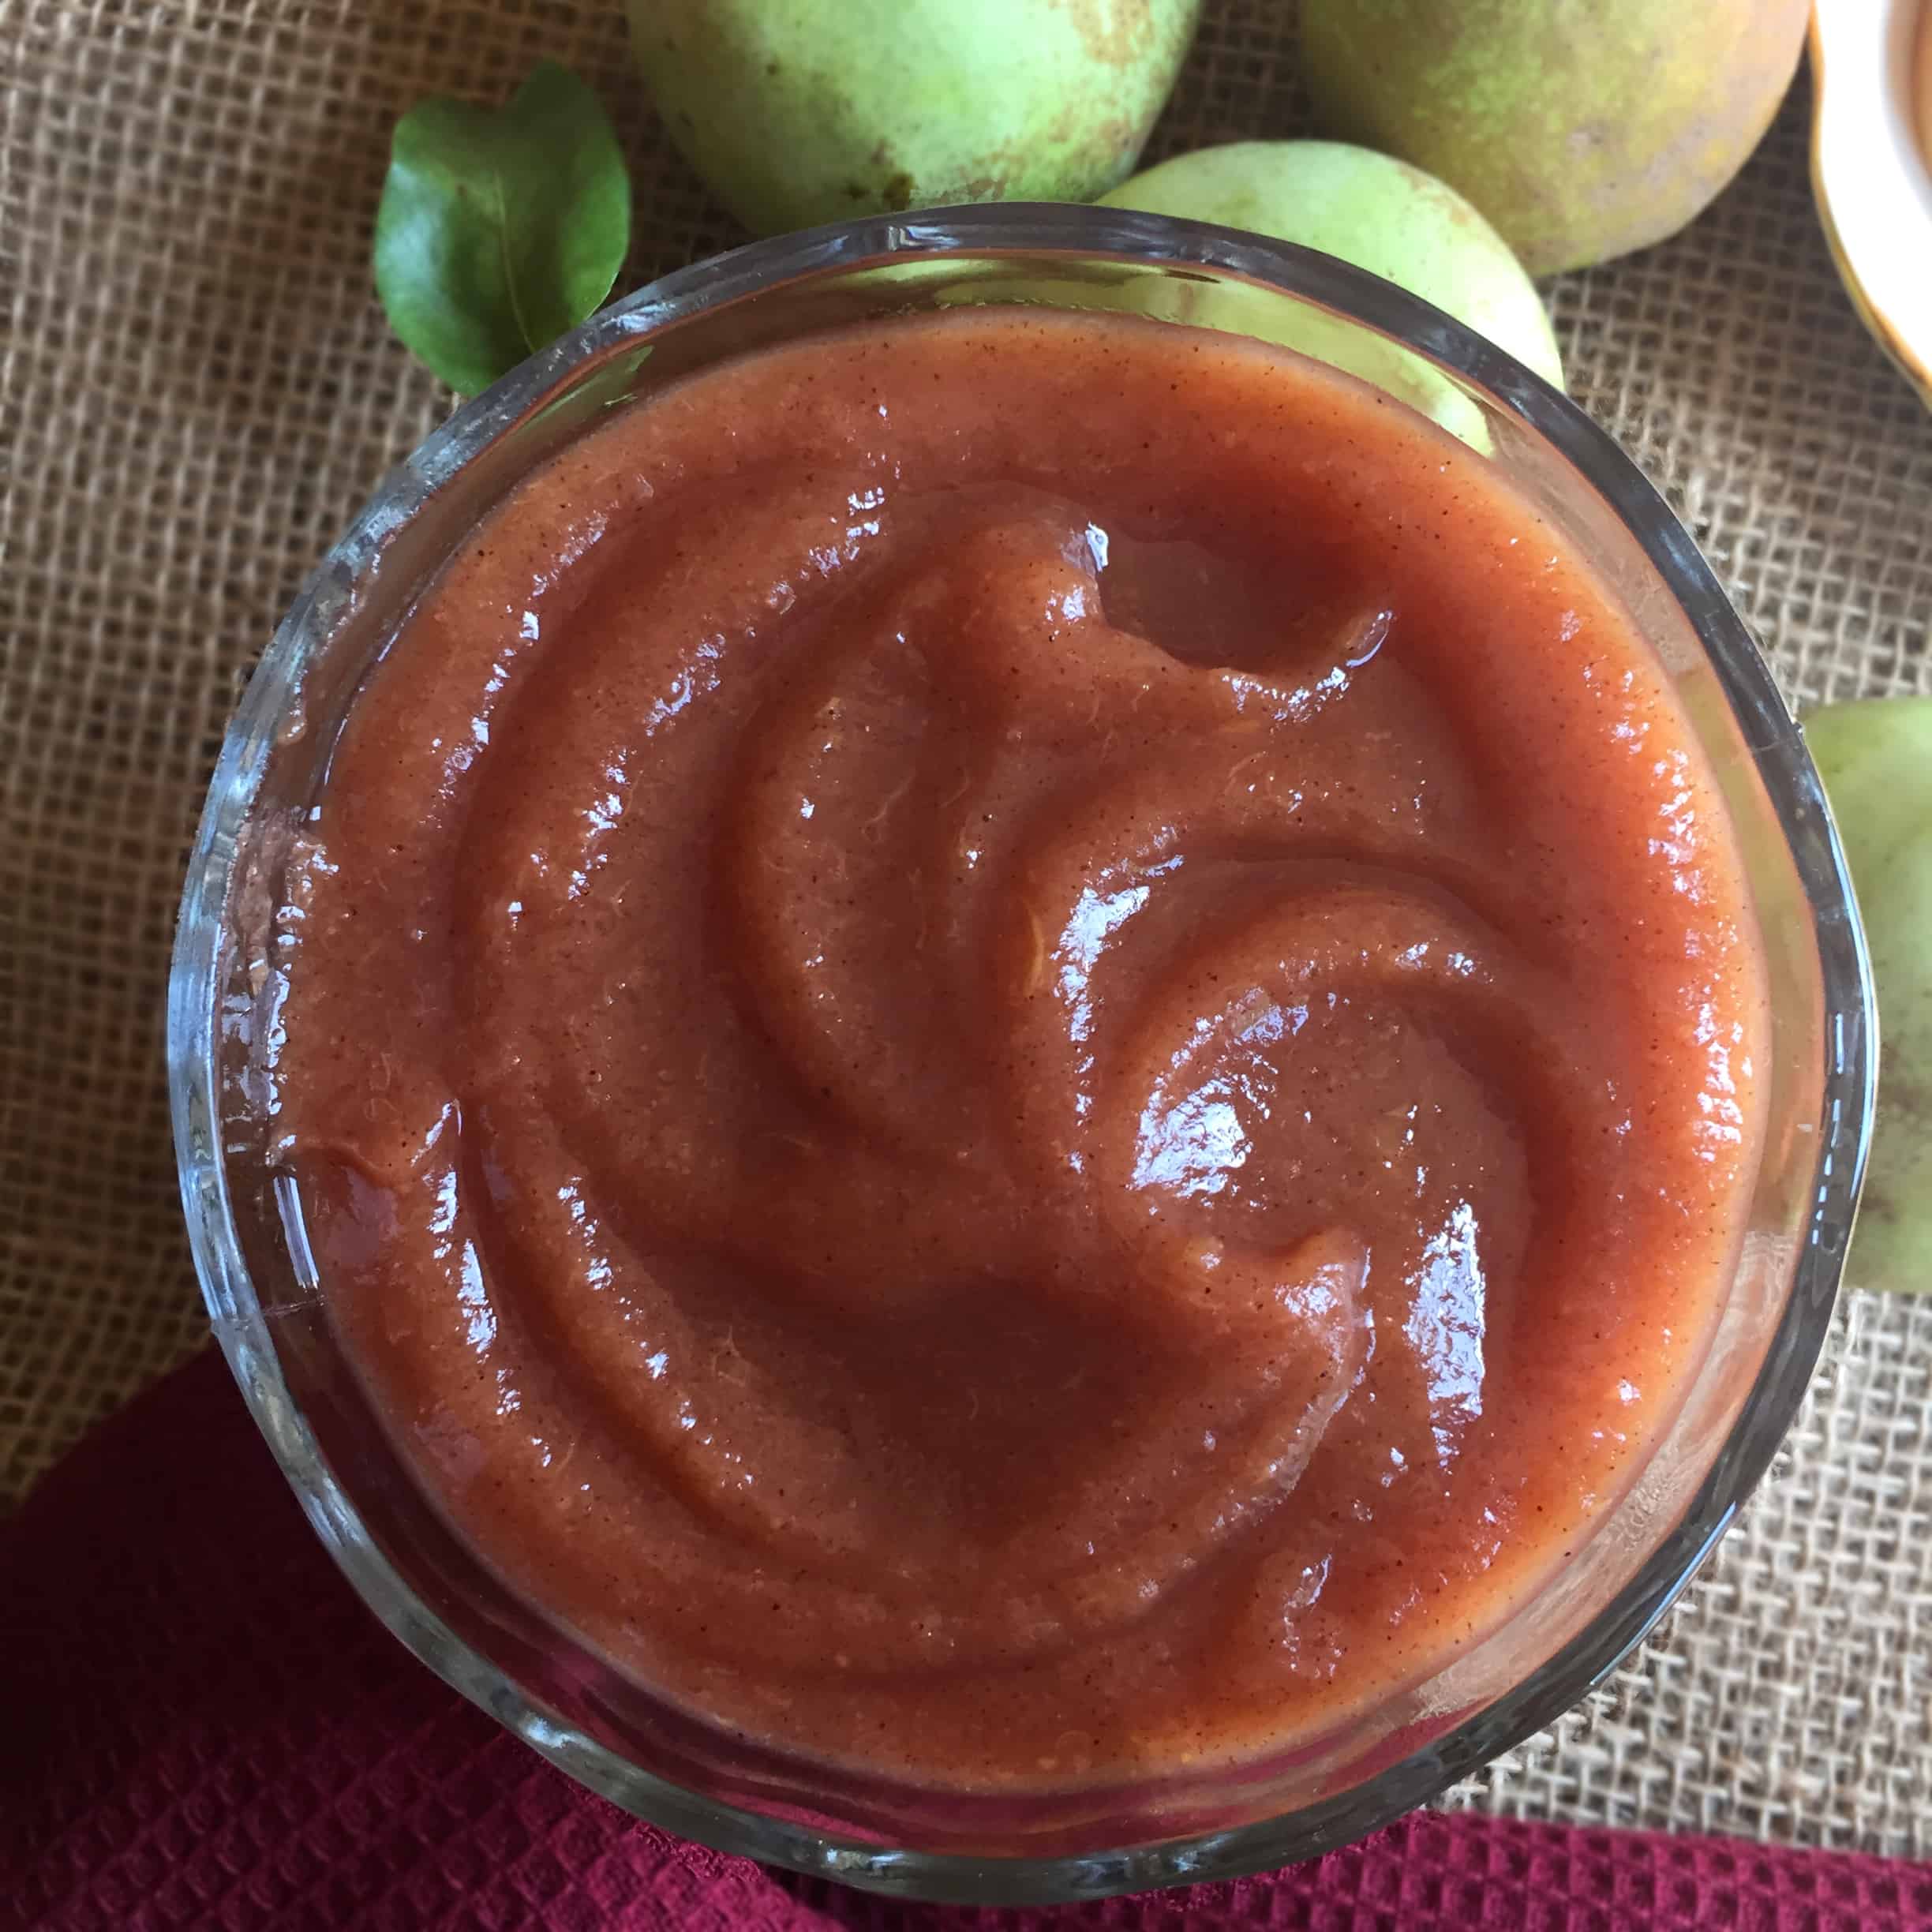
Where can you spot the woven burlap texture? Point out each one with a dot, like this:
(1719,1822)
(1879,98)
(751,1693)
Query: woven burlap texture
(197,388)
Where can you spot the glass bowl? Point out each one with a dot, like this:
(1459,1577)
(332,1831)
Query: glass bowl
(462,1620)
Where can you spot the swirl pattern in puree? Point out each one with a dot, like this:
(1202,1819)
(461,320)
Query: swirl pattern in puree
(1021,1045)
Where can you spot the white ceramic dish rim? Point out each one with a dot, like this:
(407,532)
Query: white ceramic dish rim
(1871,176)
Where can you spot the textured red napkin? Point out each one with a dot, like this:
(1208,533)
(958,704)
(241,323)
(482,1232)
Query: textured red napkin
(201,1726)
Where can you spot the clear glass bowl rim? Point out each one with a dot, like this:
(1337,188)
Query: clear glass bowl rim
(1086,234)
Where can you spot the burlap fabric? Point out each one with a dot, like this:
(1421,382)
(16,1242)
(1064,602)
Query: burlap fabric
(197,388)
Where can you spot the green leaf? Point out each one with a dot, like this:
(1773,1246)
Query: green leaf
(1875,757)
(500,229)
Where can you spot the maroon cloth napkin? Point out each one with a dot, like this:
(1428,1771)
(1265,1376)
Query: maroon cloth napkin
(201,1726)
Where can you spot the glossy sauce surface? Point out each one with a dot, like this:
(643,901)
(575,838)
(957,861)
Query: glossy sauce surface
(1021,1045)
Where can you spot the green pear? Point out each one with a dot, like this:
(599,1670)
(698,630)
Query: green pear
(1583,128)
(1875,757)
(1383,216)
(1380,214)
(796,112)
